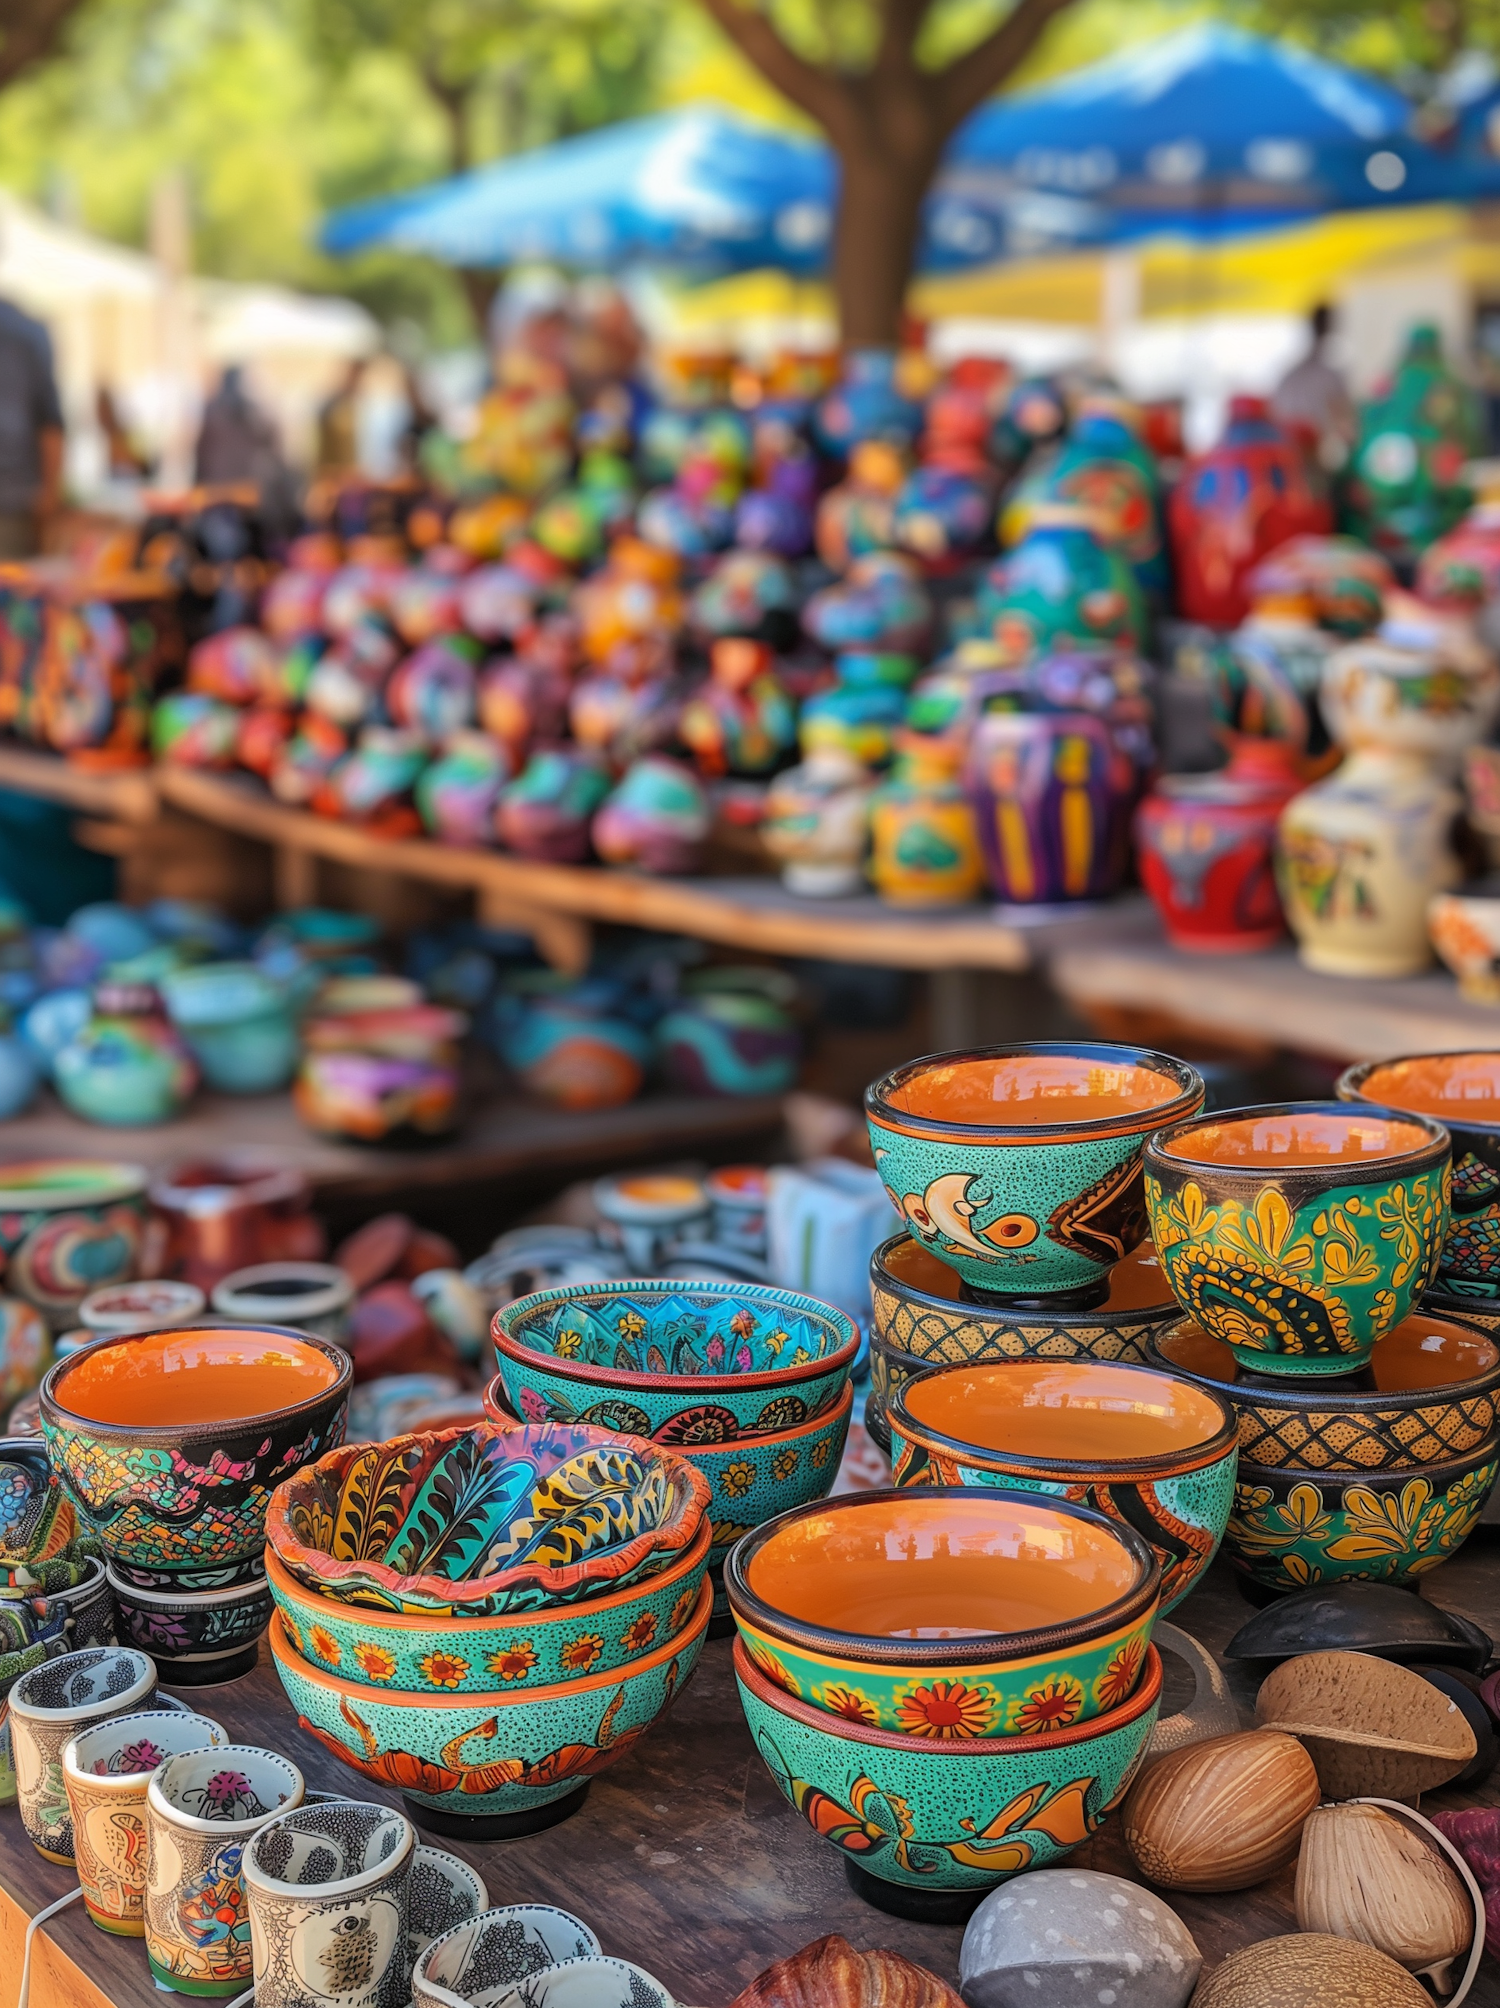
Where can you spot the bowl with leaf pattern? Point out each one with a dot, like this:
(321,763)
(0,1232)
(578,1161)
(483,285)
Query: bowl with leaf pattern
(482,1519)
(682,1363)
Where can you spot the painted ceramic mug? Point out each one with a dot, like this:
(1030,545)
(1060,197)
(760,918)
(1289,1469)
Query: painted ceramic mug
(596,1982)
(445,1892)
(1302,1232)
(201,1809)
(328,1889)
(106,1770)
(1020,1166)
(50,1706)
(484,1958)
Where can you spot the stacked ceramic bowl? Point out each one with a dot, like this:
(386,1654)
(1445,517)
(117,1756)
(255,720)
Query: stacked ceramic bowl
(749,1383)
(170,1443)
(486,1617)
(950,1685)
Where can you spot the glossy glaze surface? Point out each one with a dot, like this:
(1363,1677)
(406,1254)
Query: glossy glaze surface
(1072,1410)
(193,1376)
(1294,1138)
(1046,1089)
(1461,1087)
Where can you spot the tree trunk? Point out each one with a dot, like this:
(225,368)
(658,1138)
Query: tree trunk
(880,214)
(480,288)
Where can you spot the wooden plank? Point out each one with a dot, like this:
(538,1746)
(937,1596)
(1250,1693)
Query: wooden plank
(127,794)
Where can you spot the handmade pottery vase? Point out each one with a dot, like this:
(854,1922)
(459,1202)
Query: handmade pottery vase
(324,1527)
(571,1042)
(171,1442)
(328,1890)
(721,1039)
(497,1950)
(741,721)
(1205,846)
(656,819)
(106,1769)
(546,811)
(1104,471)
(67,1227)
(238,1024)
(198,1638)
(428,1653)
(924,843)
(1422,685)
(373,783)
(202,1806)
(435,1748)
(373,1075)
(1407,486)
(681,1363)
(457,794)
(942,514)
(971,1812)
(868,403)
(47,1708)
(816,823)
(1046,1199)
(311,1297)
(1276,659)
(1061,587)
(1462,1092)
(1299,1234)
(1464,930)
(128,1065)
(1052,796)
(1149,1449)
(947,1614)
(860,715)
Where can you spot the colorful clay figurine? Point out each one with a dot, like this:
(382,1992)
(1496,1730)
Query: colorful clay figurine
(128,1064)
(456,795)
(656,819)
(1462,569)
(546,811)
(1103,470)
(1408,485)
(924,843)
(747,593)
(869,402)
(1060,588)
(373,782)
(861,712)
(1052,795)
(858,517)
(742,721)
(817,823)
(432,691)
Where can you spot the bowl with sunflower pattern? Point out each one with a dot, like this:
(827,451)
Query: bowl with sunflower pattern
(421,1652)
(481,1519)
(948,1613)
(683,1363)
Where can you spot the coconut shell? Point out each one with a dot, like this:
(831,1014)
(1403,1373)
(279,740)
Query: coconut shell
(1373,1729)
(1309,1970)
(1222,1814)
(829,1973)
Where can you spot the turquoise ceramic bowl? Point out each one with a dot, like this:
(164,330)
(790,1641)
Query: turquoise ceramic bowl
(490,1765)
(422,1653)
(1020,1166)
(758,1477)
(684,1363)
(926,1828)
(481,1519)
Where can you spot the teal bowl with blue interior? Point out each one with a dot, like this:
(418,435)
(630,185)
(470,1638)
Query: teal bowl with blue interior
(686,1364)
(1020,1166)
(498,1765)
(238,1023)
(927,1828)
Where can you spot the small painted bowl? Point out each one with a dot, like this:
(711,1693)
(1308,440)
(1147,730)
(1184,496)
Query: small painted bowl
(497,1765)
(756,1478)
(1019,1166)
(421,1652)
(947,1613)
(170,1442)
(1430,1392)
(196,1637)
(1462,1092)
(1299,1530)
(486,1955)
(1301,1232)
(69,1226)
(1154,1450)
(945,1821)
(568,1512)
(683,1363)
(921,1318)
(587,1983)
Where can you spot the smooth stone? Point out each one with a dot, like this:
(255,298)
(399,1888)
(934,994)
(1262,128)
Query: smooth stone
(1070,1938)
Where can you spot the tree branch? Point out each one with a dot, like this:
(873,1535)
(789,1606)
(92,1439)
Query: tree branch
(969,79)
(901,23)
(32,30)
(817,92)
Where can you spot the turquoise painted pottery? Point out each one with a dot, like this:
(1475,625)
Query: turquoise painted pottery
(729,1043)
(128,1064)
(1154,1451)
(926,1827)
(423,1652)
(1301,1232)
(947,1613)
(483,1519)
(756,1477)
(1020,1166)
(1293,1529)
(237,1023)
(495,1765)
(683,1363)
(170,1442)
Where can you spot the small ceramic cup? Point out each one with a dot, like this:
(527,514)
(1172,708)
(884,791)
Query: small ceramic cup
(328,1889)
(48,1707)
(586,1983)
(140,1307)
(309,1296)
(106,1770)
(201,1808)
(444,1892)
(478,1962)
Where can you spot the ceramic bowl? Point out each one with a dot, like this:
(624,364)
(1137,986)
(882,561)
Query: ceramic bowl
(921,1318)
(925,1828)
(683,1363)
(587,1983)
(756,1478)
(140,1307)
(38,1520)
(570,1512)
(1431,1391)
(485,1957)
(1297,1530)
(311,1297)
(69,1226)
(1151,1449)
(196,1637)
(171,1442)
(1019,1166)
(948,1613)
(497,1765)
(422,1652)
(1302,1232)
(1462,1092)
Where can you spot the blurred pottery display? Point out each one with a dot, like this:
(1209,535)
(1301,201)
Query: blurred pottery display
(1464,930)
(860,714)
(140,1307)
(127,1065)
(1102,469)
(1461,569)
(727,1037)
(223,1214)
(924,844)
(311,1297)
(25,1348)
(21,1070)
(1408,483)
(47,1708)
(650,1212)
(816,823)
(656,819)
(1299,1234)
(1422,685)
(570,1041)
(823,1220)
(1052,795)
(742,721)
(1278,655)
(546,811)
(373,1074)
(238,1025)
(67,1227)
(1061,587)
(457,794)
(1205,845)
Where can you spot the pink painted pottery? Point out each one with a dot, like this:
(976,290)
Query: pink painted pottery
(657,818)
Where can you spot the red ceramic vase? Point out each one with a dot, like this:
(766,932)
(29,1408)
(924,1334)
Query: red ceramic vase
(1205,845)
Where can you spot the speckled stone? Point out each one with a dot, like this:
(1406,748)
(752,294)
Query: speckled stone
(1070,1938)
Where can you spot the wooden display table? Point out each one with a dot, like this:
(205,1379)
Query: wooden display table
(684,1858)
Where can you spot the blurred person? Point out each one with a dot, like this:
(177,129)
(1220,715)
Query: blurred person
(338,422)
(126,461)
(1314,399)
(236,441)
(31,435)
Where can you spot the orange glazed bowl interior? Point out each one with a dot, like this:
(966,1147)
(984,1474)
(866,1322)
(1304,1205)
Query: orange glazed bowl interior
(1313,1136)
(193,1375)
(1063,1411)
(1045,1089)
(1453,1087)
(921,1565)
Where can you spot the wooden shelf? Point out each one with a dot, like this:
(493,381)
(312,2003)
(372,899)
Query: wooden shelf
(126,794)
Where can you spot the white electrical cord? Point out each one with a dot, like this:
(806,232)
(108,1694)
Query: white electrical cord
(41,1918)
